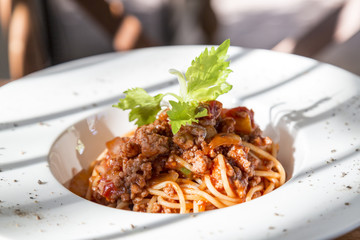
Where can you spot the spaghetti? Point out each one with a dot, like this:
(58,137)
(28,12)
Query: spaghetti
(218,162)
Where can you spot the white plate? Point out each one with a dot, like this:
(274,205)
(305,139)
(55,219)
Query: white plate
(312,109)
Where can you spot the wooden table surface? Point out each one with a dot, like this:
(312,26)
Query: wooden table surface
(353,235)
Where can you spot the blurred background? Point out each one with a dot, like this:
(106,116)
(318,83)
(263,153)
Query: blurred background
(36,34)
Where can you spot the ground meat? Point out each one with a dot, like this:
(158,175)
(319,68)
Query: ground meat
(171,163)
(167,210)
(125,197)
(159,164)
(136,172)
(135,188)
(237,173)
(254,181)
(151,143)
(122,147)
(226,125)
(126,148)
(108,190)
(139,207)
(188,136)
(241,186)
(184,140)
(230,172)
(156,208)
(169,190)
(254,161)
(210,132)
(256,195)
(131,162)
(214,110)
(146,169)
(200,162)
(254,134)
(253,137)
(239,155)
(268,164)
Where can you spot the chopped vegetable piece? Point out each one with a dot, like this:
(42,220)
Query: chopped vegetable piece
(186,172)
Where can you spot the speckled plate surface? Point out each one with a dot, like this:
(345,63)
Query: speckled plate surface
(311,109)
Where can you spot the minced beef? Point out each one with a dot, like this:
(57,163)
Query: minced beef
(132,161)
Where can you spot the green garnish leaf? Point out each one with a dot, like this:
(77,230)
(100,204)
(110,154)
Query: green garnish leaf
(204,80)
(143,107)
(183,113)
(206,77)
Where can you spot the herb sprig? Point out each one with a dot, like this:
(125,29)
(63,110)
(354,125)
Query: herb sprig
(204,80)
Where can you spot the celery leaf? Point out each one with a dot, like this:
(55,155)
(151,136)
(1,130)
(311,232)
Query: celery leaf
(206,77)
(144,108)
(183,113)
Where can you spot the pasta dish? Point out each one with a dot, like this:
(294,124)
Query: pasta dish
(187,155)
(221,161)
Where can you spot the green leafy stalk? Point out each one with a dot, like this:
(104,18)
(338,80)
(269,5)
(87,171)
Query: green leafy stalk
(144,107)
(206,77)
(204,80)
(182,82)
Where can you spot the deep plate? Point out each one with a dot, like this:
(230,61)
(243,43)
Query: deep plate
(313,109)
